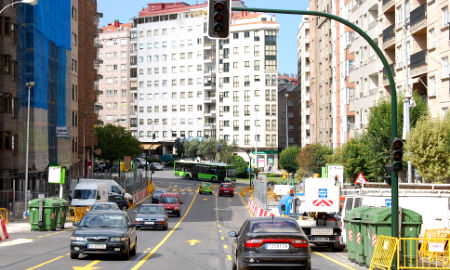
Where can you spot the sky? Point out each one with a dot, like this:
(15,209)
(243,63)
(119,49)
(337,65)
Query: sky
(124,11)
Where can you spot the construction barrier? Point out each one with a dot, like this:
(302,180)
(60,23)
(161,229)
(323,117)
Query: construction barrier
(384,253)
(76,213)
(433,253)
(4,214)
(256,210)
(3,231)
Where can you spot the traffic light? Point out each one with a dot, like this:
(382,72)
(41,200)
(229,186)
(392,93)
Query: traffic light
(387,176)
(256,172)
(397,154)
(219,18)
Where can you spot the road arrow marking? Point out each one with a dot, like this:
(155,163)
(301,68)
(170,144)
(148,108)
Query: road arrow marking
(193,242)
(87,267)
(205,199)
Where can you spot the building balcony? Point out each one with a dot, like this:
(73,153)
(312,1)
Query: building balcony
(307,97)
(307,83)
(308,125)
(389,37)
(418,63)
(97,63)
(307,111)
(133,115)
(209,85)
(209,99)
(210,114)
(133,90)
(388,4)
(385,77)
(418,18)
(97,43)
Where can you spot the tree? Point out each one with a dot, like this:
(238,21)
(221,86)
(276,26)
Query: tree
(115,143)
(428,148)
(179,146)
(241,166)
(226,152)
(354,159)
(288,160)
(207,150)
(312,158)
(191,148)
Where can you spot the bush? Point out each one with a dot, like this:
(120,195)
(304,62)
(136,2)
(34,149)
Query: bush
(273,175)
(241,166)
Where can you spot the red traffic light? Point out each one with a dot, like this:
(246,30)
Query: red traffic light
(397,144)
(219,6)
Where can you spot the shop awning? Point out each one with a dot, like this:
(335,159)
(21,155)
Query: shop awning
(151,146)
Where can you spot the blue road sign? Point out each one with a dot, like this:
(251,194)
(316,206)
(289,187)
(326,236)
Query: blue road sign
(249,170)
(388,202)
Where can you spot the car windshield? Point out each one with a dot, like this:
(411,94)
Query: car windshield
(169,200)
(151,210)
(274,226)
(84,194)
(104,207)
(107,220)
(227,185)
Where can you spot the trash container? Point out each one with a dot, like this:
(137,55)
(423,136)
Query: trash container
(49,212)
(358,234)
(348,224)
(62,213)
(379,222)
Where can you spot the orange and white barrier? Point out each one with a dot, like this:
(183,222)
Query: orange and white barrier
(3,231)
(256,210)
(139,195)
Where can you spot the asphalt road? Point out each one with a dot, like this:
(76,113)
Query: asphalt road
(196,240)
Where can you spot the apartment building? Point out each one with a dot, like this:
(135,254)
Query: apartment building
(189,86)
(74,88)
(114,47)
(289,121)
(304,76)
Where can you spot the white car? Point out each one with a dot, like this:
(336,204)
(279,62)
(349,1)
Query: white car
(158,166)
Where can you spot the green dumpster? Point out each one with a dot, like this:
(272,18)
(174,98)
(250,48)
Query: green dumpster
(378,222)
(351,240)
(358,233)
(49,211)
(62,213)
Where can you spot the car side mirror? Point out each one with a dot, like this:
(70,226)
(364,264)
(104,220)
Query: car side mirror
(232,234)
(75,223)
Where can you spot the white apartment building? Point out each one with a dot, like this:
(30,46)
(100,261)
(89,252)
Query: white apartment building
(189,86)
(304,75)
(115,96)
(248,88)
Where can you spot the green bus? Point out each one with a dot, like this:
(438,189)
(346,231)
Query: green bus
(205,171)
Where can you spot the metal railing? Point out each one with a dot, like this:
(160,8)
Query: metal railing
(389,33)
(418,14)
(418,59)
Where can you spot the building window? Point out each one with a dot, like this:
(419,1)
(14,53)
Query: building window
(445,68)
(432,87)
(236,35)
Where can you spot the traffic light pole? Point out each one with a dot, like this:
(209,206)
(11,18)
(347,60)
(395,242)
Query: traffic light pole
(394,186)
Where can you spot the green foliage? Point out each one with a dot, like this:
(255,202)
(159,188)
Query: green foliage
(179,146)
(288,160)
(116,142)
(226,153)
(241,166)
(354,159)
(312,158)
(428,148)
(191,148)
(207,150)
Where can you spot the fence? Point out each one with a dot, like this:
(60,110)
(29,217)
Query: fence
(260,192)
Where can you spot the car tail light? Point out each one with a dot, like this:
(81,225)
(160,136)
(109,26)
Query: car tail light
(299,243)
(254,243)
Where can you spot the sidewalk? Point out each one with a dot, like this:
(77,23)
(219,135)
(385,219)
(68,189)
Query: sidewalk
(24,226)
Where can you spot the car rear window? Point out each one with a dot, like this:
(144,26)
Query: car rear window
(227,185)
(151,210)
(205,185)
(169,200)
(274,226)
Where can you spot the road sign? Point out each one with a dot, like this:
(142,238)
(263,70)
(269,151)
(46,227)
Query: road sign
(249,170)
(360,179)
(387,202)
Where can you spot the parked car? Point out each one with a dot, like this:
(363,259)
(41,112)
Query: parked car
(171,202)
(120,200)
(157,193)
(226,189)
(104,232)
(139,163)
(157,166)
(151,215)
(205,187)
(270,241)
(105,206)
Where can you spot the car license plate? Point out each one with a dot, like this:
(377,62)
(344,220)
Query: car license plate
(97,246)
(277,246)
(149,223)
(321,238)
(169,211)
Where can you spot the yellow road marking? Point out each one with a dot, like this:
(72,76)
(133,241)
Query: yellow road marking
(142,261)
(87,267)
(221,238)
(225,246)
(193,242)
(205,199)
(48,234)
(335,261)
(40,236)
(220,230)
(44,263)
(229,257)
(245,205)
(218,225)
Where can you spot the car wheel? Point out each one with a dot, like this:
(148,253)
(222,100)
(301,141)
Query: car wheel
(126,256)
(238,265)
(133,251)
(74,255)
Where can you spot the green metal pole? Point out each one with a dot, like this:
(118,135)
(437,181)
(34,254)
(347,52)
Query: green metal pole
(394,183)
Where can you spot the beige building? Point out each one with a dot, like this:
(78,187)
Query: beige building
(304,75)
(74,84)
(114,89)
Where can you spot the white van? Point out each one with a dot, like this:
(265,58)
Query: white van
(434,206)
(87,194)
(112,186)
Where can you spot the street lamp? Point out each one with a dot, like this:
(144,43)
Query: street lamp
(29,85)
(29,2)
(84,144)
(287,131)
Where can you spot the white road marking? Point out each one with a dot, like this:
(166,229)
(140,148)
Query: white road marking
(15,242)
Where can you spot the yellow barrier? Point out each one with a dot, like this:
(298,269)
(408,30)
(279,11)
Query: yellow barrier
(433,253)
(4,214)
(76,213)
(384,253)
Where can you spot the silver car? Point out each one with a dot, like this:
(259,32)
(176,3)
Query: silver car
(151,216)
(158,166)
